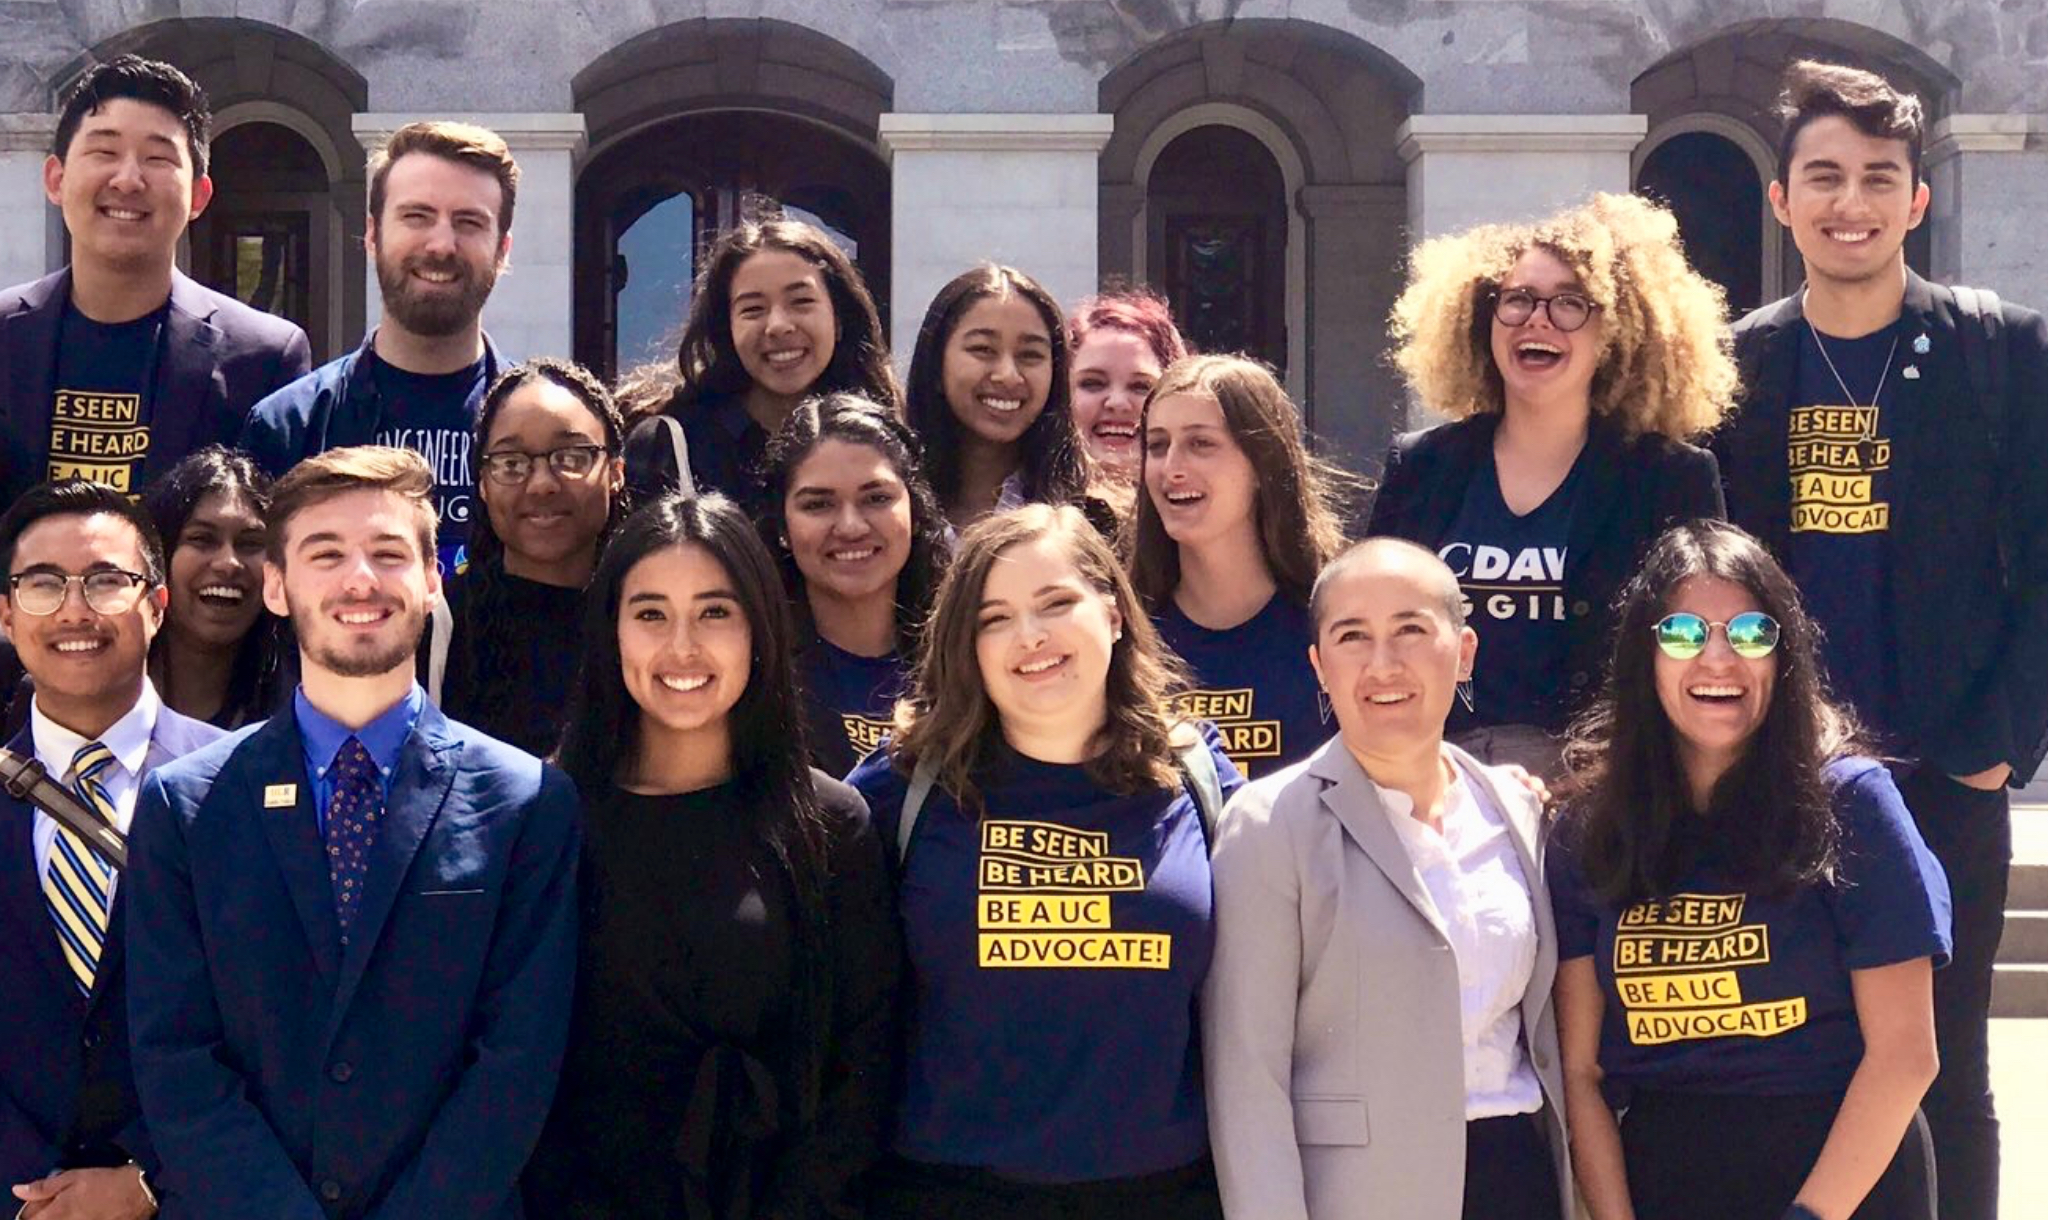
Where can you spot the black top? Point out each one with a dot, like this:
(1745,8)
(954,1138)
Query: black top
(513,656)
(722,1062)
(724,451)
(1629,492)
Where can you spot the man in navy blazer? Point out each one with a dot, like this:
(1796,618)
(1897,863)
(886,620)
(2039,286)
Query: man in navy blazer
(72,1140)
(117,366)
(351,928)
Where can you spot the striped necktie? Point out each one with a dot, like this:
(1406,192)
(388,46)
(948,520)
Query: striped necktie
(76,884)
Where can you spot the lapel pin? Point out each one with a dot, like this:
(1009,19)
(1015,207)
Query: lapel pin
(1911,372)
(280,796)
(1921,345)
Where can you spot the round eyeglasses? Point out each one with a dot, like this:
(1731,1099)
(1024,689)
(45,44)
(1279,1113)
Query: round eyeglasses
(106,590)
(512,467)
(1568,310)
(1752,634)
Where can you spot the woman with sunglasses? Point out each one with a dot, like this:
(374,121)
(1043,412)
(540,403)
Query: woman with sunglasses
(503,651)
(1576,357)
(1748,920)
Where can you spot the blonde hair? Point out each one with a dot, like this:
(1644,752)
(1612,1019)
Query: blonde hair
(1665,360)
(337,472)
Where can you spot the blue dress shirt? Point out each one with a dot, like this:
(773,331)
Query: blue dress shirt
(324,736)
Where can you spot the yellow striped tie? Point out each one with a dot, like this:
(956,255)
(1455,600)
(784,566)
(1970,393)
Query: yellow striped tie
(76,883)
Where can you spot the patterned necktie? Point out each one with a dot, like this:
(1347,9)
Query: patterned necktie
(352,817)
(77,881)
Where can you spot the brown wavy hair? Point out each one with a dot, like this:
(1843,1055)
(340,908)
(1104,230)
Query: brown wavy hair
(1295,505)
(947,716)
(1666,363)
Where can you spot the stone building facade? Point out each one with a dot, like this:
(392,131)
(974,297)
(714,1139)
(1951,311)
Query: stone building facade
(1264,162)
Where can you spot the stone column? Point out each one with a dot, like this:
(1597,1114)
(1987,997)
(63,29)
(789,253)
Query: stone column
(1988,175)
(1353,400)
(530,310)
(31,231)
(1020,189)
(1466,169)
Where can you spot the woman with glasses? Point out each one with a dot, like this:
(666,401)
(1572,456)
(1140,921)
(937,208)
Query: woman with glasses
(503,655)
(1748,921)
(1575,357)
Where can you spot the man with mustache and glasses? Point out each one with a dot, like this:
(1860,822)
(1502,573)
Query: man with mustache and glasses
(118,366)
(353,925)
(84,596)
(439,231)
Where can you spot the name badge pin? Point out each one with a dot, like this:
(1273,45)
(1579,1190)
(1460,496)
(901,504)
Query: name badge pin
(1911,372)
(1921,345)
(280,796)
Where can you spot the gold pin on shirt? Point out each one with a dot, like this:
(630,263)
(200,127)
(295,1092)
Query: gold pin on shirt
(280,796)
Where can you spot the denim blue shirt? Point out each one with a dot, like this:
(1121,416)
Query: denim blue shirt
(324,736)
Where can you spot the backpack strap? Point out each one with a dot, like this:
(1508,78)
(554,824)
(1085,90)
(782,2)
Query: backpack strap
(440,632)
(1198,774)
(1981,333)
(922,777)
(679,445)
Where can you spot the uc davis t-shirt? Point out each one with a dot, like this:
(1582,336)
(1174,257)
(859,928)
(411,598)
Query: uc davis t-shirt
(1839,455)
(434,414)
(100,414)
(848,699)
(1254,683)
(1717,990)
(1057,945)
(1511,570)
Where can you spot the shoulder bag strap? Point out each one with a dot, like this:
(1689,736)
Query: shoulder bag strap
(26,779)
(921,779)
(1198,770)
(679,444)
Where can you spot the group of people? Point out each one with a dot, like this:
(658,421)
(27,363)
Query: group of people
(1010,792)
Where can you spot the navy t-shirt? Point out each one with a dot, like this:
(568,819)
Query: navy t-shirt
(434,414)
(1839,456)
(1511,569)
(1254,683)
(1058,945)
(1716,990)
(848,699)
(100,413)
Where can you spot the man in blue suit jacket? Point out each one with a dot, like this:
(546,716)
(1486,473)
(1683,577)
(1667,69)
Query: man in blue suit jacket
(117,366)
(351,928)
(72,1139)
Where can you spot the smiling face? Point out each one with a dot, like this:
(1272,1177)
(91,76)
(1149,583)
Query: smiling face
(1113,372)
(1043,639)
(549,524)
(1389,653)
(216,583)
(1540,364)
(355,582)
(997,368)
(126,187)
(1849,200)
(437,247)
(1198,477)
(1717,700)
(783,327)
(87,666)
(685,650)
(847,517)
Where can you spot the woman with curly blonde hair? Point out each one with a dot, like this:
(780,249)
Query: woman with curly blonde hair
(1577,358)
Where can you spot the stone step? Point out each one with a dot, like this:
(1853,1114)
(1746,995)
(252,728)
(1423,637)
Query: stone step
(2027,887)
(2026,939)
(2020,991)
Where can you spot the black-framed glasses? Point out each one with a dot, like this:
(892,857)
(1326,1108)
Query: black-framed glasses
(1568,310)
(513,467)
(1752,634)
(106,590)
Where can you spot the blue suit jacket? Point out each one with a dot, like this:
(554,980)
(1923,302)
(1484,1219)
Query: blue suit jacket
(404,1074)
(219,357)
(67,1096)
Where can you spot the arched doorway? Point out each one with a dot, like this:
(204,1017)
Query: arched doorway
(1713,188)
(265,240)
(1216,210)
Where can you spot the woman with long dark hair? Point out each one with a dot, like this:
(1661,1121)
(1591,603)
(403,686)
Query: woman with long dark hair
(504,653)
(730,1054)
(1234,519)
(216,658)
(778,313)
(989,397)
(1049,817)
(863,543)
(1748,920)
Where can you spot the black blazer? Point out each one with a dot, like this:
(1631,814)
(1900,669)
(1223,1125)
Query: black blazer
(1630,492)
(219,356)
(1972,643)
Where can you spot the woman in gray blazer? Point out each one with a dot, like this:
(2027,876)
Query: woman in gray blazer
(1376,1023)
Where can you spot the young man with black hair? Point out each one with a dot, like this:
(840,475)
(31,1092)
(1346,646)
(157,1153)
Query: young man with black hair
(117,366)
(1889,449)
(84,595)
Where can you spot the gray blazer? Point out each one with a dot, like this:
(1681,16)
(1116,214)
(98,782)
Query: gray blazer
(1331,1028)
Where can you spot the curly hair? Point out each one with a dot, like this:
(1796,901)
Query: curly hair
(1665,363)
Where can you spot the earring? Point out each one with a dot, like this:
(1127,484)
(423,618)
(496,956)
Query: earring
(1323,708)
(1465,692)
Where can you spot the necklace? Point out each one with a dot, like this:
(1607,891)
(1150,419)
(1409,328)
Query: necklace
(1886,372)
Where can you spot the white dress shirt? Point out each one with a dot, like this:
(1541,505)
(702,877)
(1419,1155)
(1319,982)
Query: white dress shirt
(1474,878)
(128,740)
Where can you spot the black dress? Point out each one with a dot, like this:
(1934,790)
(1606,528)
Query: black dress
(728,1058)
